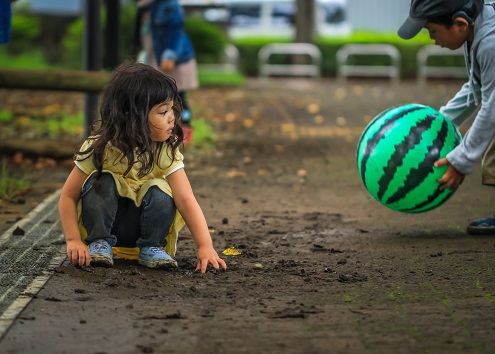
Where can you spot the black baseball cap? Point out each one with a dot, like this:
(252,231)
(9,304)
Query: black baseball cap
(422,10)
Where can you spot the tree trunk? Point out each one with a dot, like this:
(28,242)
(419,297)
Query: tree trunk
(305,21)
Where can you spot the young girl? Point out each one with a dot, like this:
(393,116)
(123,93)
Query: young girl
(128,193)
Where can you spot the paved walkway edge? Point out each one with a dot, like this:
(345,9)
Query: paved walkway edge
(8,317)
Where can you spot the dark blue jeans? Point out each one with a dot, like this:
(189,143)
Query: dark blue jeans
(108,216)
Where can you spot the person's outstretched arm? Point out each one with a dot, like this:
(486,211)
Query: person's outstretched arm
(190,210)
(77,251)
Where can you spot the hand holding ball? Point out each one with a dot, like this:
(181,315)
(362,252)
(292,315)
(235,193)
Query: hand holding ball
(396,153)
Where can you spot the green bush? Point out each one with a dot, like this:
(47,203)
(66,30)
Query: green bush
(249,48)
(10,184)
(74,39)
(208,40)
(25,31)
(73,45)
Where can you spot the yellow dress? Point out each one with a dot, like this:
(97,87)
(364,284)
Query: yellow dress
(134,187)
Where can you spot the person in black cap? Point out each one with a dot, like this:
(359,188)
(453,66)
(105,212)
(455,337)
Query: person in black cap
(470,24)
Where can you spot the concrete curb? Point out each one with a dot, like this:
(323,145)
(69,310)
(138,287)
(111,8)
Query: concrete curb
(52,255)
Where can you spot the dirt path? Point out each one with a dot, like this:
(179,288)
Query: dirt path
(323,269)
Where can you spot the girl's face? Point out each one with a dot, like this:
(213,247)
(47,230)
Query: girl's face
(452,37)
(162,120)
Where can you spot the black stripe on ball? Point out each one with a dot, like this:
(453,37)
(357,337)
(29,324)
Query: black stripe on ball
(418,175)
(371,143)
(396,160)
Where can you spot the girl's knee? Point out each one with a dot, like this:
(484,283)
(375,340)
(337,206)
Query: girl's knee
(159,199)
(103,184)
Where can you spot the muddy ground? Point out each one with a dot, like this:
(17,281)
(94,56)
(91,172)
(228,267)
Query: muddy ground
(324,268)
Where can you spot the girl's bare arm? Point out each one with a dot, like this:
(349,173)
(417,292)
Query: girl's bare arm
(77,252)
(193,216)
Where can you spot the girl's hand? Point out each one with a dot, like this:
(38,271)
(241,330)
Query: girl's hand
(78,253)
(452,178)
(207,255)
(167,65)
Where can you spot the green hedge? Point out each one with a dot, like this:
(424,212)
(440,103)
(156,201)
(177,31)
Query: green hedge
(249,48)
(27,37)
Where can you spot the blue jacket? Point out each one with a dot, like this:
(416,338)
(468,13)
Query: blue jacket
(5,18)
(169,40)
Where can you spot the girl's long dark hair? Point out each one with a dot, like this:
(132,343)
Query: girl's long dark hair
(133,90)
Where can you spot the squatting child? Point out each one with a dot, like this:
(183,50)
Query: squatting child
(128,193)
(471,24)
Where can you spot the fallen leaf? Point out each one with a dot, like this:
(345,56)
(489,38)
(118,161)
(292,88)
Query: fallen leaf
(231,251)
(236,173)
(248,123)
(319,119)
(313,108)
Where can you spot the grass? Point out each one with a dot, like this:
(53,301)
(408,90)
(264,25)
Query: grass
(10,184)
(219,78)
(53,123)
(31,60)
(36,61)
(203,136)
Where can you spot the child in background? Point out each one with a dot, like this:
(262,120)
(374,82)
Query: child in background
(469,23)
(168,47)
(128,192)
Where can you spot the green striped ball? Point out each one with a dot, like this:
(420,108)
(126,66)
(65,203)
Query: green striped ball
(396,153)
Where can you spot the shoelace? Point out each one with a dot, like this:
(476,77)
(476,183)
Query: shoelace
(100,246)
(156,250)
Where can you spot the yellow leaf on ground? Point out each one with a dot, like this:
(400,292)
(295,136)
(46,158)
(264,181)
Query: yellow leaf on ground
(313,108)
(231,251)
(236,173)
(319,119)
(248,123)
(287,127)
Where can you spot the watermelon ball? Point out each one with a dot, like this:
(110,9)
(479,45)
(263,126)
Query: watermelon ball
(396,153)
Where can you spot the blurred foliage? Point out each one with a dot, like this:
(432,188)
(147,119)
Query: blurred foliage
(59,39)
(6,116)
(25,31)
(10,184)
(208,40)
(29,48)
(203,135)
(220,78)
(64,48)
(50,122)
(27,60)
(73,48)
(74,38)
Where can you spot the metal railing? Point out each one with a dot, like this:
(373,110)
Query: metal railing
(307,49)
(345,69)
(426,70)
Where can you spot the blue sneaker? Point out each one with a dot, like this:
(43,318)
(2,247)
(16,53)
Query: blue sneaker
(186,116)
(482,227)
(101,254)
(156,257)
